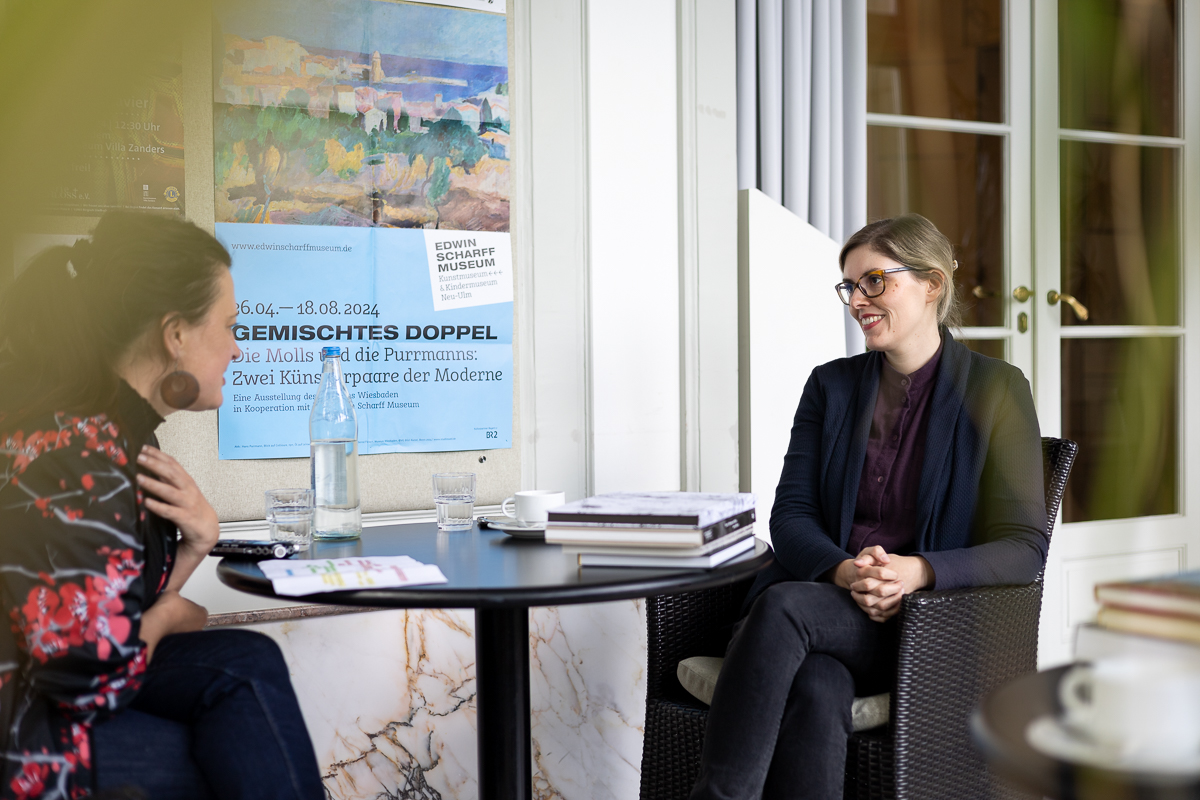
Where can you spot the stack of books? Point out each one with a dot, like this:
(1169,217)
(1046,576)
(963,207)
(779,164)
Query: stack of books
(687,530)
(1165,608)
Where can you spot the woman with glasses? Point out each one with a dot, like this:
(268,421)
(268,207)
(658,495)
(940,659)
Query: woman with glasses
(915,465)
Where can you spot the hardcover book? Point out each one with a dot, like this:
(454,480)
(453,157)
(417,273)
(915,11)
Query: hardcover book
(1169,594)
(610,547)
(1094,642)
(689,509)
(669,562)
(1150,623)
(662,535)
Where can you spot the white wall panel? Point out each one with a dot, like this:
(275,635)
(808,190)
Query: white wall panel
(708,243)
(634,244)
(790,320)
(551,234)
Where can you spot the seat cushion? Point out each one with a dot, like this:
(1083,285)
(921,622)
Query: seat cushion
(698,675)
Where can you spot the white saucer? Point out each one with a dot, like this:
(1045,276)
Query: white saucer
(1049,735)
(518,530)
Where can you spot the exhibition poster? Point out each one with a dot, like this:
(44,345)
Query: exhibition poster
(362,188)
(135,160)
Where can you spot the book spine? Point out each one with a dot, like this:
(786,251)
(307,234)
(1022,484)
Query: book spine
(701,519)
(694,562)
(1128,596)
(1149,624)
(728,526)
(715,531)
(624,549)
(577,537)
(1093,642)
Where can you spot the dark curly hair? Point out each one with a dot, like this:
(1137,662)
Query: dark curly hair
(75,311)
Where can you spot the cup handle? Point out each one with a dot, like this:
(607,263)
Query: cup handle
(1074,701)
(504,507)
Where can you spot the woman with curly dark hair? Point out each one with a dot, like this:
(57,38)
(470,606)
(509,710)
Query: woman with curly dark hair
(107,680)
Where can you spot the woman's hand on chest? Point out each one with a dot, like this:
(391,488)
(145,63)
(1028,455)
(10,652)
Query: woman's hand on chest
(174,496)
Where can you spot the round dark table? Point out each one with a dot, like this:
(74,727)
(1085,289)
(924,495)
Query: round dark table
(999,729)
(500,577)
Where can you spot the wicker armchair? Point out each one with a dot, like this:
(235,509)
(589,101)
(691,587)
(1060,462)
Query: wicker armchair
(955,646)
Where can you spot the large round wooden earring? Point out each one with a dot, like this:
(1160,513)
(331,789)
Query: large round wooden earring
(180,389)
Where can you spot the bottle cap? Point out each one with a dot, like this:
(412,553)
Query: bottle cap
(331,352)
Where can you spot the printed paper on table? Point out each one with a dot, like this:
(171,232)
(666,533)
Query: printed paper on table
(293,577)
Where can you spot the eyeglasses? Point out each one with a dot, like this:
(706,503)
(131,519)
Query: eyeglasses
(871,285)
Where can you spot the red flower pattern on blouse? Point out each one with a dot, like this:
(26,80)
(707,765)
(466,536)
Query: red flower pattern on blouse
(73,557)
(31,781)
(51,621)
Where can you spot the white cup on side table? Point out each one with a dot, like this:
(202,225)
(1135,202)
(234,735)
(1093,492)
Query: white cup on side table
(530,507)
(1142,708)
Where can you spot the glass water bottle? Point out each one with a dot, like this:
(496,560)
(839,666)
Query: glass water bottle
(333,433)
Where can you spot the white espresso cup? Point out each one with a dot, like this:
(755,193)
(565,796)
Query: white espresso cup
(1136,707)
(531,505)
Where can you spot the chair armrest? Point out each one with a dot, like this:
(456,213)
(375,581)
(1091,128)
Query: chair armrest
(955,646)
(684,625)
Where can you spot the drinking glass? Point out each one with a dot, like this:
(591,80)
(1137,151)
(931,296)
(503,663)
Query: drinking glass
(290,516)
(454,498)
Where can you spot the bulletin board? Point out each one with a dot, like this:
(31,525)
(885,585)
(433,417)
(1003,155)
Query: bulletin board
(389,481)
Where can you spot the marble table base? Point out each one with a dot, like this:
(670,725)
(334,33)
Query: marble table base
(389,700)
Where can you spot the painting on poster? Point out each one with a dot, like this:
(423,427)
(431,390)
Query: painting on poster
(361,113)
(422,380)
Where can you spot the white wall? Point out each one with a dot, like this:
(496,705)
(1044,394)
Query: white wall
(550,146)
(708,243)
(625,204)
(791,321)
(634,243)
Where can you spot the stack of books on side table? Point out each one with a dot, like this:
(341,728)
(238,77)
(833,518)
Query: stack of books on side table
(687,530)
(1156,615)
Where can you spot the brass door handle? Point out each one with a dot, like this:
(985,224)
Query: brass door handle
(1081,312)
(982,293)
(1021,294)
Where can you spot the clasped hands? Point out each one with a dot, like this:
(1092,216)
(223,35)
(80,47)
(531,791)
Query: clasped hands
(878,580)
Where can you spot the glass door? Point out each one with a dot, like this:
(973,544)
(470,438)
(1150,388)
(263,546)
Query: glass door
(1110,279)
(1050,142)
(945,139)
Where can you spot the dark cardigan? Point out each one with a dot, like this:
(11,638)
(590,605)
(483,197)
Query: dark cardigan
(981,514)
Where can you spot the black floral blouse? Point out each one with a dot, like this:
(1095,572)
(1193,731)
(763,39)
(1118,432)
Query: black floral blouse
(80,559)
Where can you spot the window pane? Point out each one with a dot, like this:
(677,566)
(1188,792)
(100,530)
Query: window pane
(936,58)
(1117,66)
(1119,402)
(957,181)
(993,348)
(1120,233)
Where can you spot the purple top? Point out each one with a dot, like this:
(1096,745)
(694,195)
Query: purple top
(885,512)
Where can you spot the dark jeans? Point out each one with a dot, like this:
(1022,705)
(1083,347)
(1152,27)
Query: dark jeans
(216,717)
(780,715)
